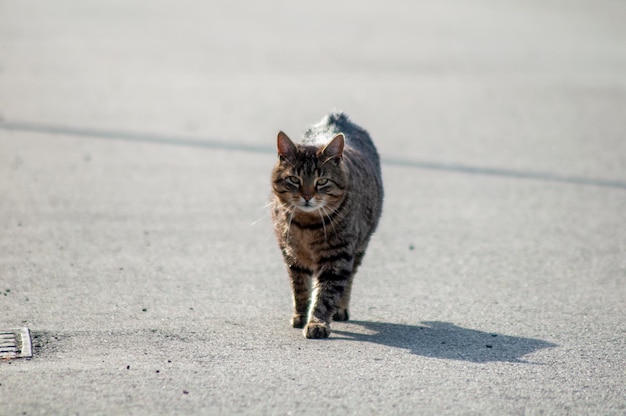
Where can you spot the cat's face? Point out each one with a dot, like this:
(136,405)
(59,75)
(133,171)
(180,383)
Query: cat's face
(310,179)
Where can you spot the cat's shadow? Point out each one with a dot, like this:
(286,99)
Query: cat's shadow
(442,340)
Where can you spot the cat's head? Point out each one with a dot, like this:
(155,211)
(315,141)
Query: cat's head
(310,178)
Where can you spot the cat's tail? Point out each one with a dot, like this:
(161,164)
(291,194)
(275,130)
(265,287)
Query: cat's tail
(335,117)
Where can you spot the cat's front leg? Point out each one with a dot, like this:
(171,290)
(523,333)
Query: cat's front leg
(328,290)
(300,285)
(342,313)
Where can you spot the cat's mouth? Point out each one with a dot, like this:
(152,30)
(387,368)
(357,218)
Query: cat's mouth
(309,205)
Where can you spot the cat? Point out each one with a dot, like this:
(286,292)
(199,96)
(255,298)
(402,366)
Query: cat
(326,202)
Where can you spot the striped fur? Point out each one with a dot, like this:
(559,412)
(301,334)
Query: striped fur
(327,199)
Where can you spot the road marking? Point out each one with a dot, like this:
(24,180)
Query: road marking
(44,128)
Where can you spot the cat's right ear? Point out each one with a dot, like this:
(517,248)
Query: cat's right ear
(286,149)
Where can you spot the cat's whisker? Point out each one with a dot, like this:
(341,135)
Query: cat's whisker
(259,220)
(321,212)
(330,221)
(336,216)
(292,210)
(270,204)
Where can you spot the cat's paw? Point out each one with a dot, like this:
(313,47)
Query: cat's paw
(317,330)
(298,321)
(341,315)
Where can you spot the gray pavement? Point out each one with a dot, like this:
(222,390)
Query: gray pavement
(136,142)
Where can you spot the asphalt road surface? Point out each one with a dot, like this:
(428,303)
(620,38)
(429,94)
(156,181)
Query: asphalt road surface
(136,144)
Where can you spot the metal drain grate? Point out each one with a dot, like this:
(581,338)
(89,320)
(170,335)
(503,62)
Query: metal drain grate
(15,343)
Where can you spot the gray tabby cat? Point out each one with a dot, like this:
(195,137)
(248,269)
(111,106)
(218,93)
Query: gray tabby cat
(327,199)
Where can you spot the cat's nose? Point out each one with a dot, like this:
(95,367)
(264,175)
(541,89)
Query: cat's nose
(307,193)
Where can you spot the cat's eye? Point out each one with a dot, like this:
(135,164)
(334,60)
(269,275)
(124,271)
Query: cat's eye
(322,181)
(294,180)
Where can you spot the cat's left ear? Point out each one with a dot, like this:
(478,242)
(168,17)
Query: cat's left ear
(286,149)
(334,149)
